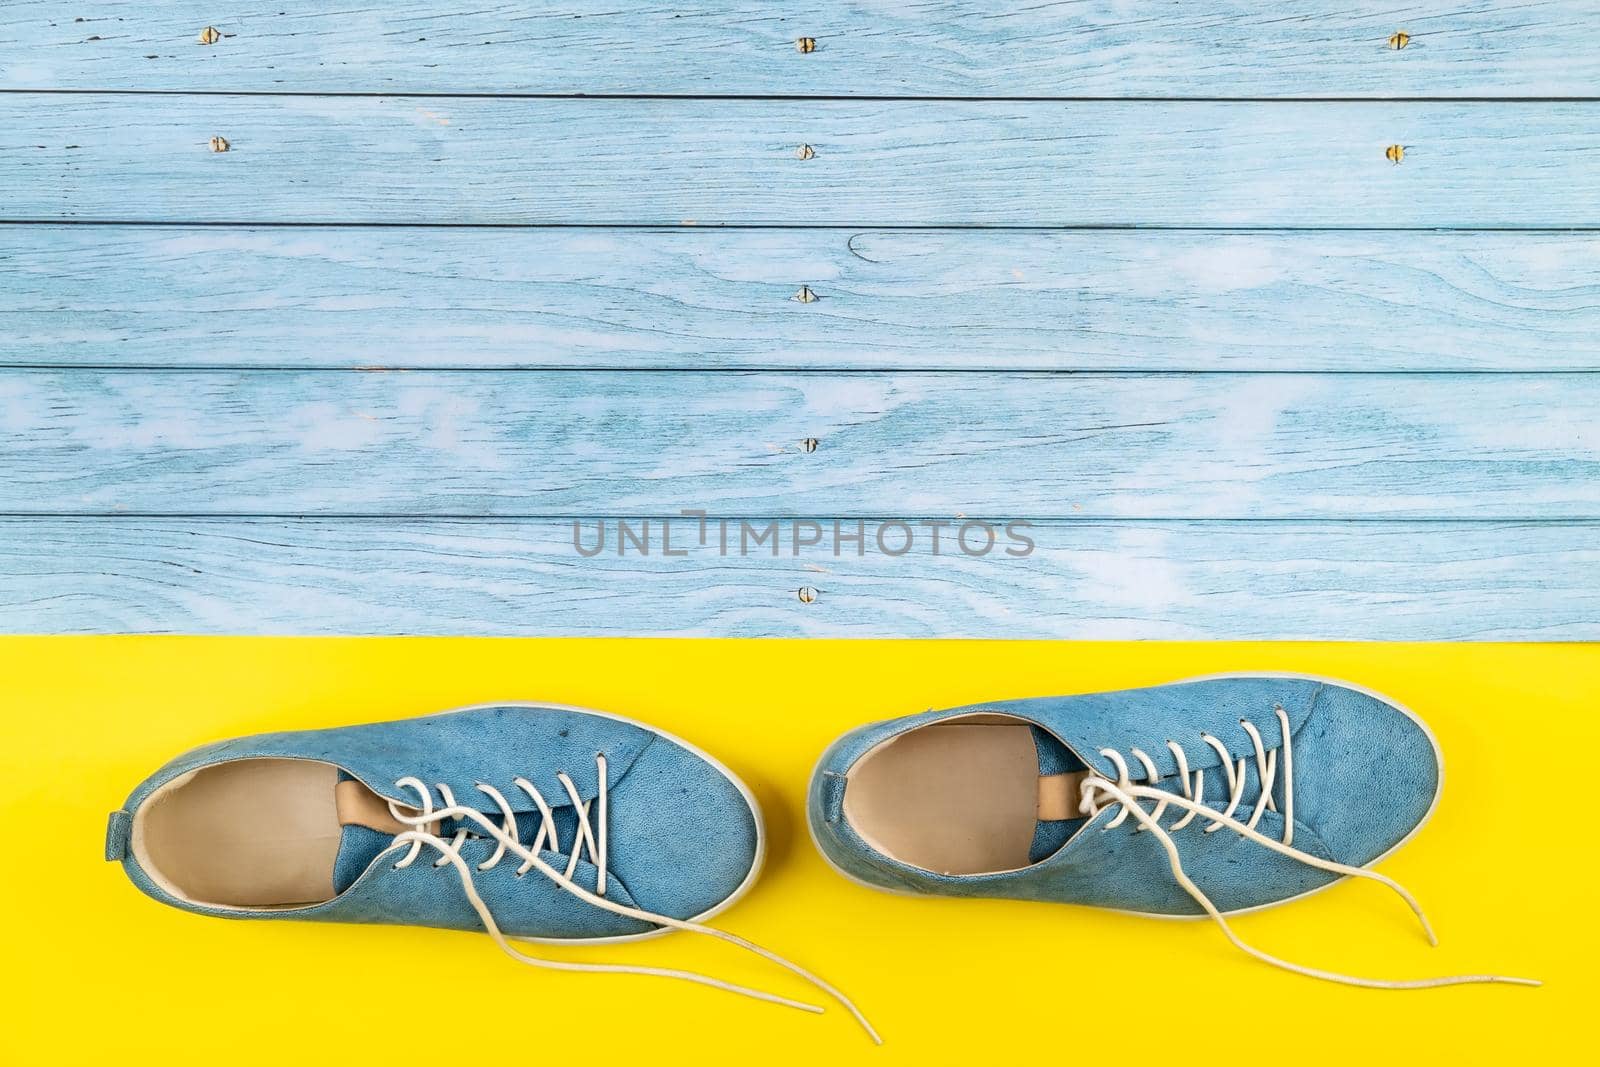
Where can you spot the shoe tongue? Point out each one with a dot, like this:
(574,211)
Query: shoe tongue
(358,847)
(1054,758)
(366,828)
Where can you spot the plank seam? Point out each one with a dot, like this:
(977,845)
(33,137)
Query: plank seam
(374,94)
(756,368)
(876,372)
(515,517)
(821,227)
(875,227)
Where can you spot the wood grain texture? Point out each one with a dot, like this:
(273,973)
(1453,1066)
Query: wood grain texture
(576,297)
(684,299)
(916,163)
(563,443)
(1225,48)
(1340,580)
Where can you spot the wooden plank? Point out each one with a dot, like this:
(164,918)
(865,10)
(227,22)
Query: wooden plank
(543,443)
(1226,48)
(922,163)
(1340,580)
(959,299)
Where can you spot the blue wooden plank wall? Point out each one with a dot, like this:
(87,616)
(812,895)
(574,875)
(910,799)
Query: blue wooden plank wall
(1237,320)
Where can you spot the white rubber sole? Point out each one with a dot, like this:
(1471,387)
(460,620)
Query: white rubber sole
(744,791)
(1427,816)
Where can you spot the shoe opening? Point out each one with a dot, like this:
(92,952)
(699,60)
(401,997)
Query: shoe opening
(962,796)
(253,833)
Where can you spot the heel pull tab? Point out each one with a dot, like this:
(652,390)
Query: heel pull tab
(119,828)
(833,785)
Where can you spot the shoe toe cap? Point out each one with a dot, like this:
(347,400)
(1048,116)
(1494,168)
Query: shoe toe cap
(1366,771)
(684,835)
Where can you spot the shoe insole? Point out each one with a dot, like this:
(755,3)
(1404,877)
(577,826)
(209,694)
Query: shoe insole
(956,798)
(256,833)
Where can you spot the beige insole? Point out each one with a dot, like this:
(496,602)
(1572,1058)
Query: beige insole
(255,833)
(957,798)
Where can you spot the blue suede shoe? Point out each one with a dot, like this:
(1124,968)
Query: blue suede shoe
(327,824)
(626,831)
(1204,797)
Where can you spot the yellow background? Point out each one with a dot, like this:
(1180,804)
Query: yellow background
(1506,871)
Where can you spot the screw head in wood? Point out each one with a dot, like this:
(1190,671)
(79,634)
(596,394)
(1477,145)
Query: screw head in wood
(1399,40)
(210,35)
(805,295)
(805,45)
(807,594)
(809,445)
(220,144)
(805,151)
(1395,153)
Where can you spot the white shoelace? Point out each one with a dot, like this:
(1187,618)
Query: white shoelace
(590,837)
(1098,793)
(1195,789)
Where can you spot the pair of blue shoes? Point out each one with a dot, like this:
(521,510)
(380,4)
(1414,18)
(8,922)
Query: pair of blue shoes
(545,823)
